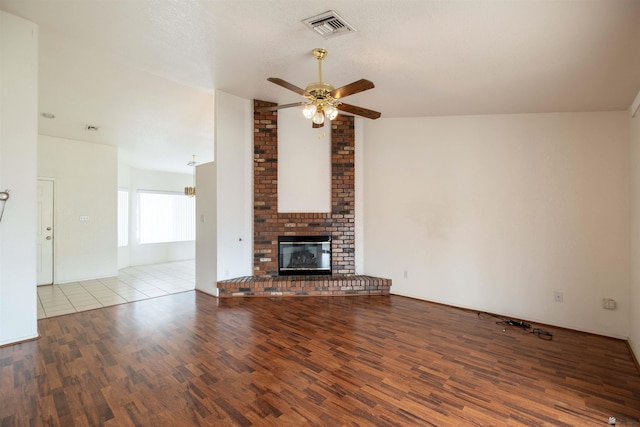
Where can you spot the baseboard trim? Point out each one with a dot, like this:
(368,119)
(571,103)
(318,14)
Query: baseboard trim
(516,317)
(633,355)
(9,344)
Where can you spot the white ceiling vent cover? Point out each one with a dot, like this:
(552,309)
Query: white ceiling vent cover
(329,24)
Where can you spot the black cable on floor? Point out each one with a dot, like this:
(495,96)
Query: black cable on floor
(542,334)
(502,321)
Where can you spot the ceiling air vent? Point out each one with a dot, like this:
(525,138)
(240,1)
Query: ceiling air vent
(329,24)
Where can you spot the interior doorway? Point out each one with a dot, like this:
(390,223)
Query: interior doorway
(45,232)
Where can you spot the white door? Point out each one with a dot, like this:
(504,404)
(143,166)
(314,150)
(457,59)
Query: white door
(45,232)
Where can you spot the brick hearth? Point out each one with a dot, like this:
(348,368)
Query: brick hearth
(304,285)
(268,223)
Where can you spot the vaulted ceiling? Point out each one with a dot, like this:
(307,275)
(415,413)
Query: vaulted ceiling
(145,71)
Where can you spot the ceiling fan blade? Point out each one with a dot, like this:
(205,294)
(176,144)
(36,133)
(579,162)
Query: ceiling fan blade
(280,107)
(289,86)
(352,88)
(359,111)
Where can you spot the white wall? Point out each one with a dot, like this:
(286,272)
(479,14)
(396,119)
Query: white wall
(304,164)
(153,253)
(206,229)
(634,300)
(234,163)
(86,179)
(124,182)
(496,213)
(18,173)
(359,194)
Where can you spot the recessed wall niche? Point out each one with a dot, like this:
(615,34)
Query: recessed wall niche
(304,164)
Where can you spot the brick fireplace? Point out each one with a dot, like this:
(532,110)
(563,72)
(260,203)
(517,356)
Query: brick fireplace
(269,224)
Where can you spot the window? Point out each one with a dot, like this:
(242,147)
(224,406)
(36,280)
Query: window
(165,217)
(123,217)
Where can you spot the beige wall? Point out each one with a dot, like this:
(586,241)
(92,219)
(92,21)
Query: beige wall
(85,184)
(634,300)
(495,213)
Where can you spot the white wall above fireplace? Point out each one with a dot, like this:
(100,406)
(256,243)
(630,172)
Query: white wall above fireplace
(304,164)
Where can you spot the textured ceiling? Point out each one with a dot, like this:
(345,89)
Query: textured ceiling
(145,70)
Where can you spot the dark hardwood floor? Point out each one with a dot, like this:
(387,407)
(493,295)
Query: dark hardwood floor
(189,359)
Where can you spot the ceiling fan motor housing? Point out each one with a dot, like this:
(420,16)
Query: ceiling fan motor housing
(320,88)
(320,94)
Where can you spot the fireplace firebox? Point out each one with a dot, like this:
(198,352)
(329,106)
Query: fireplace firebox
(304,255)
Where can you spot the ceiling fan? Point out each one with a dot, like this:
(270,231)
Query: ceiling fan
(322,99)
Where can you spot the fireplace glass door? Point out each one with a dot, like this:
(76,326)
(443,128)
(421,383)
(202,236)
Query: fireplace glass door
(304,255)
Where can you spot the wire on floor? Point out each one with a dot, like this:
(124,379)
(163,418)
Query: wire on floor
(526,327)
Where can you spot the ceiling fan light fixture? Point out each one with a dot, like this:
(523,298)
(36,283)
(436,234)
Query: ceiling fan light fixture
(309,110)
(191,191)
(330,112)
(318,118)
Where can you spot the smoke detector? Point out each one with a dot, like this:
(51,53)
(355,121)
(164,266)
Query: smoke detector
(329,24)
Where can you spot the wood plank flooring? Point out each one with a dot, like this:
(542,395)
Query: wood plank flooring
(192,360)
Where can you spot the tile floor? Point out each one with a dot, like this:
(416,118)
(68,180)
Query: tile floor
(131,284)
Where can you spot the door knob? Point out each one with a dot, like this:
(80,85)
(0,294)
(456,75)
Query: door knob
(48,237)
(48,228)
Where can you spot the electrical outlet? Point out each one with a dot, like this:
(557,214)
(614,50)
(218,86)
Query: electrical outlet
(84,218)
(557,296)
(609,303)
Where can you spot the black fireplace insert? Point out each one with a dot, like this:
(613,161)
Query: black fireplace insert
(304,255)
